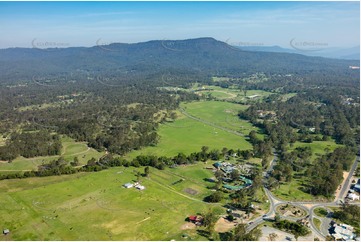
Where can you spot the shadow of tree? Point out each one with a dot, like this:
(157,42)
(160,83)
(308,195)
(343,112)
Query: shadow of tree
(203,233)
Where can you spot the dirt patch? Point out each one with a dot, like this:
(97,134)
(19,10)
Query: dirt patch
(188,225)
(345,175)
(291,211)
(308,205)
(223,225)
(191,191)
(115,227)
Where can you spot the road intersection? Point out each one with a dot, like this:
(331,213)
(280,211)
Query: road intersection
(309,207)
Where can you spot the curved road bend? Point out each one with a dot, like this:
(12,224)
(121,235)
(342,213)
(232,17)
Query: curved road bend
(274,202)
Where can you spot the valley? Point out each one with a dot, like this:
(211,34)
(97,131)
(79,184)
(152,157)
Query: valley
(147,152)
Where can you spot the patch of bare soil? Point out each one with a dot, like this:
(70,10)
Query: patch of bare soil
(188,225)
(191,191)
(223,225)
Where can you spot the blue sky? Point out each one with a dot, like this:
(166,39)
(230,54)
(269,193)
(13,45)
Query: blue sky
(336,24)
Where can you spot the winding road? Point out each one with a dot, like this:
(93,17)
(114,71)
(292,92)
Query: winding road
(309,207)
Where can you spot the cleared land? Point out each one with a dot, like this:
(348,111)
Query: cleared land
(233,94)
(70,150)
(318,147)
(295,190)
(187,135)
(55,208)
(220,113)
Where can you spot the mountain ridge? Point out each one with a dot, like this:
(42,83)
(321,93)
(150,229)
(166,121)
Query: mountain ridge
(207,55)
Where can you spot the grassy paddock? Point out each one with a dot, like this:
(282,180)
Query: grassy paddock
(233,94)
(55,208)
(318,147)
(70,150)
(292,191)
(187,135)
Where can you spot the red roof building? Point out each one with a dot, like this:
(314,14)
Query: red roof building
(192,218)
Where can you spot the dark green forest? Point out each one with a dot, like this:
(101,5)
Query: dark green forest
(115,101)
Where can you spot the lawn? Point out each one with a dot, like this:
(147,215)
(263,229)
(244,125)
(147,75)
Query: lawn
(187,135)
(69,151)
(95,206)
(317,223)
(291,191)
(321,212)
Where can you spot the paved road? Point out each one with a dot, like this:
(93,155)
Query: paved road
(309,207)
(346,185)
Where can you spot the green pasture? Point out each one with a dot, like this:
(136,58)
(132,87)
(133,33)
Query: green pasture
(95,206)
(233,94)
(318,148)
(187,135)
(224,114)
(70,150)
(292,191)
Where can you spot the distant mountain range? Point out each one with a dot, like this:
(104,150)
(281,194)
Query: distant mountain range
(337,53)
(204,55)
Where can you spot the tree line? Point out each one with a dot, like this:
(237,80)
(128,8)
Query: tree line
(60,166)
(30,144)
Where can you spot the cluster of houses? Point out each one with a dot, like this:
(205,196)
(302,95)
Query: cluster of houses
(342,232)
(227,168)
(136,185)
(354,192)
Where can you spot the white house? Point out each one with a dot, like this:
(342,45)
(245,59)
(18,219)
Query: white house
(343,232)
(128,185)
(353,196)
(140,187)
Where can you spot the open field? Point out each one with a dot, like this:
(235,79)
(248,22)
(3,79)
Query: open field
(318,147)
(292,191)
(187,135)
(220,113)
(95,206)
(69,151)
(233,94)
